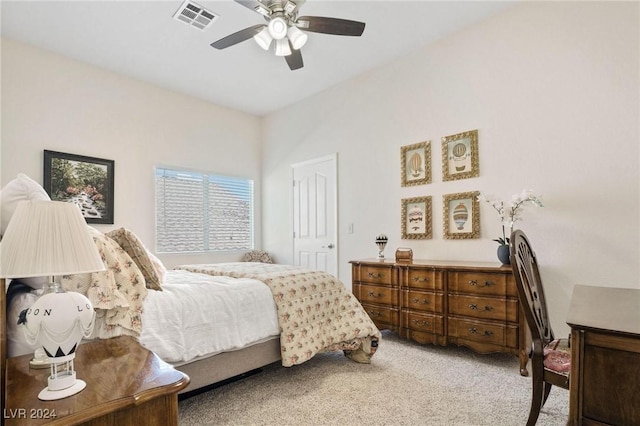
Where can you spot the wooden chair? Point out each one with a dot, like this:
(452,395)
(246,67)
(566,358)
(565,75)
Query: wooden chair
(550,358)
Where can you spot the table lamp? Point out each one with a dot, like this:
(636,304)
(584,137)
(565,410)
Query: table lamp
(51,238)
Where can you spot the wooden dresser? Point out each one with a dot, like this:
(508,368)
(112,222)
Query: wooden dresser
(473,304)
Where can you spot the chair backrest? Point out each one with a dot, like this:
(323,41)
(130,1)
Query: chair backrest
(530,290)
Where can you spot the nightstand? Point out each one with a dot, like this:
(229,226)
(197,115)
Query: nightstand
(126,385)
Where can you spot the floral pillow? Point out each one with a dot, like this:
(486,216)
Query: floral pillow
(161,270)
(117,294)
(134,247)
(257,256)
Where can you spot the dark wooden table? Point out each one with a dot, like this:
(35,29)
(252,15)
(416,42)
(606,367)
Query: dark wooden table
(126,385)
(605,351)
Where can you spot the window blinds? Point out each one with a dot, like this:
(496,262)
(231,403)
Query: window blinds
(197,212)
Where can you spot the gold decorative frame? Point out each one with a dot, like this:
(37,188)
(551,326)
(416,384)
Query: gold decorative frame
(461,214)
(415,164)
(416,218)
(460,156)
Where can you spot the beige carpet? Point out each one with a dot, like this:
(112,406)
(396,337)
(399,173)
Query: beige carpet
(406,384)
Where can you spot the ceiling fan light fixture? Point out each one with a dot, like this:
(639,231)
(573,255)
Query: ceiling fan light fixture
(278,28)
(282,47)
(263,38)
(289,7)
(262,10)
(297,37)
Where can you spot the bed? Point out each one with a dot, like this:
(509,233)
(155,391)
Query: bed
(212,322)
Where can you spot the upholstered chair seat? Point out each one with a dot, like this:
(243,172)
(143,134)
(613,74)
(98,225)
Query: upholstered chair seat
(557,356)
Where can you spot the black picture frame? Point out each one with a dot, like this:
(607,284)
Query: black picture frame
(85,181)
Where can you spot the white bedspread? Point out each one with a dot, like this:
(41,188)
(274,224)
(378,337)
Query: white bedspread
(197,315)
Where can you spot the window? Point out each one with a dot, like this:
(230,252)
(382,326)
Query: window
(197,212)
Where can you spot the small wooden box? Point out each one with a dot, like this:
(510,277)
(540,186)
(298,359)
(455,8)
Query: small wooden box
(404,255)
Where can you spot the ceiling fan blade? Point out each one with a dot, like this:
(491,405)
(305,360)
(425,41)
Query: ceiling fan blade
(238,37)
(295,59)
(335,26)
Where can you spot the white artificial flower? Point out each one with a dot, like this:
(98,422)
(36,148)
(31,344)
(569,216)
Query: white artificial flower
(508,217)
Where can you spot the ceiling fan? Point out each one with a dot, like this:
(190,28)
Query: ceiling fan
(287,29)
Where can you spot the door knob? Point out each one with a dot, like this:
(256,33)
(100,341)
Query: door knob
(330,245)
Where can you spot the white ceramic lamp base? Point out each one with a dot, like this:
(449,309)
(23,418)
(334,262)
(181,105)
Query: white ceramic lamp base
(49,395)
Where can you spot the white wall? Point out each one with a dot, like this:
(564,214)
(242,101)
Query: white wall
(51,102)
(553,89)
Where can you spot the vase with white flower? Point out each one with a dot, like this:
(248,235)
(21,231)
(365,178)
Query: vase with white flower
(509,214)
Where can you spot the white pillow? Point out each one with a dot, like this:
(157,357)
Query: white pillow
(16,341)
(35,283)
(22,188)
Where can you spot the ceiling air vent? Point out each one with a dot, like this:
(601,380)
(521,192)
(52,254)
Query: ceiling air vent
(194,15)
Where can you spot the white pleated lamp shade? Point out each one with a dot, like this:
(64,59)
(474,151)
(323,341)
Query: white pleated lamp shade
(47,238)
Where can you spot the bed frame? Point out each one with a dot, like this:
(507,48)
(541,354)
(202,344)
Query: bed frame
(223,366)
(203,372)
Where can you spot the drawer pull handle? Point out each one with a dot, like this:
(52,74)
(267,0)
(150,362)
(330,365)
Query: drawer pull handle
(372,294)
(421,323)
(474,283)
(421,280)
(376,276)
(423,301)
(374,313)
(474,307)
(474,330)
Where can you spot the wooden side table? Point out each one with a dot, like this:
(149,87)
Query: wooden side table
(126,385)
(605,356)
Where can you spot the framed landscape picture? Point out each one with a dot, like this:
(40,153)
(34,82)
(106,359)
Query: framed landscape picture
(415,164)
(461,215)
(460,156)
(85,181)
(416,218)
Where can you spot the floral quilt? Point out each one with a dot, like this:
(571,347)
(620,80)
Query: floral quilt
(315,311)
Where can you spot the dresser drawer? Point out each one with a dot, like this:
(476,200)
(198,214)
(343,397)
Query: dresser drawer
(484,307)
(381,315)
(482,283)
(376,274)
(504,335)
(423,301)
(424,338)
(426,323)
(376,294)
(423,278)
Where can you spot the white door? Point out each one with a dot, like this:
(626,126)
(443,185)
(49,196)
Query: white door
(315,214)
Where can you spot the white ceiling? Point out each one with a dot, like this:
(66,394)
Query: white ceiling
(142,40)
